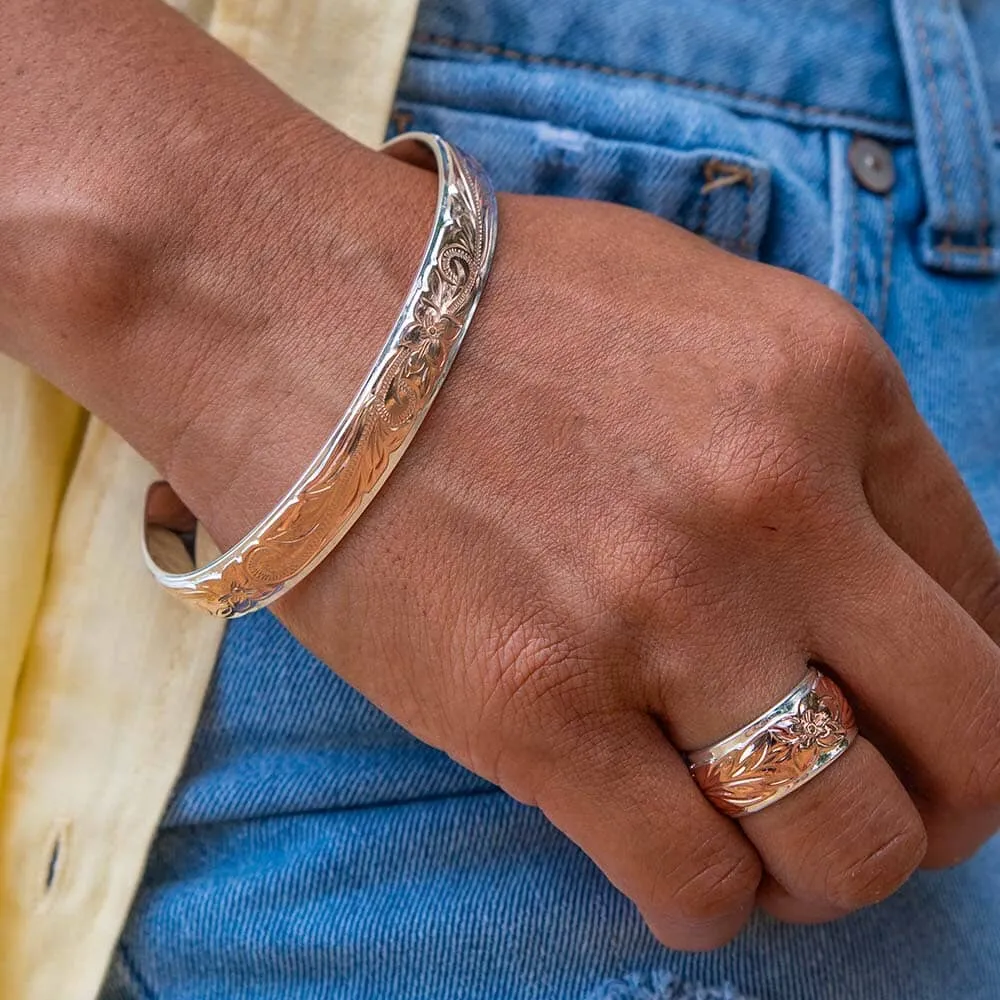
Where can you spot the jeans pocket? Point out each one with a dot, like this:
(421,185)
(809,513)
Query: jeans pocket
(721,195)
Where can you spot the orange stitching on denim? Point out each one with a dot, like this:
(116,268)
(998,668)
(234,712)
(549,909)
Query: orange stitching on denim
(719,175)
(401,120)
(977,158)
(883,300)
(444,41)
(947,248)
(532,58)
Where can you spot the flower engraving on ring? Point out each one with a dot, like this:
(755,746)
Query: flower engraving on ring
(780,754)
(813,725)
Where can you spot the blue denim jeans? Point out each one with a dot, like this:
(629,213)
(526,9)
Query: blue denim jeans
(313,849)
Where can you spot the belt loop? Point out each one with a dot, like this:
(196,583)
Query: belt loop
(954,135)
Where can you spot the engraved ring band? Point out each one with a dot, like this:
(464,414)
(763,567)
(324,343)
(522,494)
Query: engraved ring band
(778,752)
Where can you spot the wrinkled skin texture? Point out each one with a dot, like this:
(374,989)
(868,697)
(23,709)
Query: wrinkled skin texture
(628,528)
(658,482)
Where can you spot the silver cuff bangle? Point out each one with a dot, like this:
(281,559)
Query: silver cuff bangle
(378,426)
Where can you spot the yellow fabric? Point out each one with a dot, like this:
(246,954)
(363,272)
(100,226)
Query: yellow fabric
(101,674)
(340,58)
(107,700)
(38,431)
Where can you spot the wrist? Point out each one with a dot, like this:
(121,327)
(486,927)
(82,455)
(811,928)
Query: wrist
(186,251)
(224,337)
(298,296)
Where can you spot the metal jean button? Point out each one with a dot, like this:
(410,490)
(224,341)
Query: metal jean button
(872,166)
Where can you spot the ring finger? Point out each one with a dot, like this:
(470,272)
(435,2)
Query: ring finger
(846,838)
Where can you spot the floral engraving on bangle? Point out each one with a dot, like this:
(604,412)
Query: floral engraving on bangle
(783,754)
(399,393)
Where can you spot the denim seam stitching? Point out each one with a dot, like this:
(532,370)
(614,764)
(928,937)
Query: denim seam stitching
(946,248)
(883,301)
(934,100)
(974,137)
(445,41)
(852,284)
(463,45)
(133,970)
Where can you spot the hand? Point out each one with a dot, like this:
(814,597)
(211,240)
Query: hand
(658,481)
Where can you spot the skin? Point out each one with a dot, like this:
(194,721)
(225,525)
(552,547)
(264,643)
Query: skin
(659,480)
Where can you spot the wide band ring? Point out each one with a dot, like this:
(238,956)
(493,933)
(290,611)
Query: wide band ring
(778,752)
(380,422)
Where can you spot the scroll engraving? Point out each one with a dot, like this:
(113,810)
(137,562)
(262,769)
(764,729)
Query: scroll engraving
(410,372)
(782,755)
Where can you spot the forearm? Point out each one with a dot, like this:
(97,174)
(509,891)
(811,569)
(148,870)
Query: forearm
(154,193)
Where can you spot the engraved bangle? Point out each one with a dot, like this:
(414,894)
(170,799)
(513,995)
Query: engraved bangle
(371,437)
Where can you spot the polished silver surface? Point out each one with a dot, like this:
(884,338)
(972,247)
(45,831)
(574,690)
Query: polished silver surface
(378,426)
(779,751)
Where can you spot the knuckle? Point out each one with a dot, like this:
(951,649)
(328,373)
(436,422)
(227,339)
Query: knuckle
(769,476)
(716,880)
(985,600)
(970,745)
(844,336)
(952,840)
(979,787)
(860,367)
(881,869)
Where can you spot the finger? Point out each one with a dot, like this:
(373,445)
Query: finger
(924,679)
(775,899)
(848,837)
(625,796)
(954,837)
(921,502)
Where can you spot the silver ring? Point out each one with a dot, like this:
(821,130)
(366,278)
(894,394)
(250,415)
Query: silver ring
(779,751)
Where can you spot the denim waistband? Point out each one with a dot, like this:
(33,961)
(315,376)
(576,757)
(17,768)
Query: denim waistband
(922,70)
(838,61)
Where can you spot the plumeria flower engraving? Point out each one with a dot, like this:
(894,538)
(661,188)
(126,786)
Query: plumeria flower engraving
(814,725)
